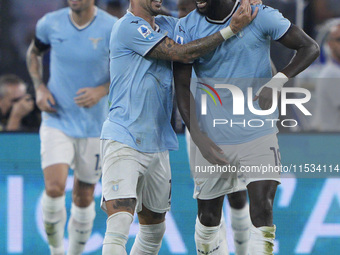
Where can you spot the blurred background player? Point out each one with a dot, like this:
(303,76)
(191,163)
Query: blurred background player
(137,135)
(244,56)
(74,106)
(327,111)
(15,103)
(239,208)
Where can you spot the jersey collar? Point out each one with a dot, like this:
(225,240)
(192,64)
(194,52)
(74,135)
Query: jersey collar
(226,18)
(85,25)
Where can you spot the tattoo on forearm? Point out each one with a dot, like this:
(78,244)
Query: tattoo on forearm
(169,50)
(34,64)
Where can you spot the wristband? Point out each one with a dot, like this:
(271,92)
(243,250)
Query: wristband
(277,82)
(226,33)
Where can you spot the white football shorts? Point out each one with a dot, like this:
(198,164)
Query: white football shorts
(256,160)
(128,173)
(81,154)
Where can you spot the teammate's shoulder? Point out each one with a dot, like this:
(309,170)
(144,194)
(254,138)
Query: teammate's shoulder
(265,15)
(131,20)
(106,16)
(264,10)
(191,19)
(128,24)
(166,19)
(56,15)
(192,16)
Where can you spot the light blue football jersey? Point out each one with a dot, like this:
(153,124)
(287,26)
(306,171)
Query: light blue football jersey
(236,61)
(79,58)
(141,91)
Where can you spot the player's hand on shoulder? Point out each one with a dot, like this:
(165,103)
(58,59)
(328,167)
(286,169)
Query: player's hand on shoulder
(23,107)
(243,16)
(265,98)
(210,151)
(88,97)
(255,2)
(44,99)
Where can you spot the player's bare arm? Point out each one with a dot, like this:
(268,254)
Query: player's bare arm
(255,2)
(187,107)
(307,50)
(34,64)
(44,98)
(170,50)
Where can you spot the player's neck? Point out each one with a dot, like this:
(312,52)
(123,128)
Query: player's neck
(83,17)
(221,10)
(142,13)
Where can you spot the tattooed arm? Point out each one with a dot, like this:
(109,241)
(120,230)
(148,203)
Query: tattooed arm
(34,64)
(44,98)
(168,49)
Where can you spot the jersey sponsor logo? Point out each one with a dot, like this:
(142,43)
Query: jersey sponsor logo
(115,185)
(134,21)
(95,41)
(145,32)
(179,39)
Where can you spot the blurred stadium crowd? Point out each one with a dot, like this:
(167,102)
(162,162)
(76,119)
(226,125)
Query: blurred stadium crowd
(18,19)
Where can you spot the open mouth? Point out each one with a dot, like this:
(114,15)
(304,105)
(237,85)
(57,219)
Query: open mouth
(201,4)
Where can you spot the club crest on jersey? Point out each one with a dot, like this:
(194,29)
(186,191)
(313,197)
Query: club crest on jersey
(179,39)
(95,42)
(145,32)
(115,185)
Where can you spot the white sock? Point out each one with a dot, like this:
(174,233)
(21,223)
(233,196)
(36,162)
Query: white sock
(262,240)
(149,239)
(240,222)
(54,217)
(117,233)
(207,239)
(223,237)
(80,227)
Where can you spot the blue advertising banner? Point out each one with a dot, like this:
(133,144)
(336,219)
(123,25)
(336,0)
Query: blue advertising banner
(306,210)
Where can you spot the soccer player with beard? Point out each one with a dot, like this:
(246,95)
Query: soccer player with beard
(73,106)
(238,61)
(137,134)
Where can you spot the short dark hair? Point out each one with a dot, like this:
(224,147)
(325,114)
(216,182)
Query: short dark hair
(9,79)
